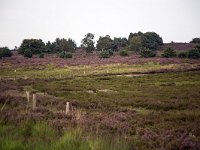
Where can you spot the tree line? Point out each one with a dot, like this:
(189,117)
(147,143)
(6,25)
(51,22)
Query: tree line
(144,44)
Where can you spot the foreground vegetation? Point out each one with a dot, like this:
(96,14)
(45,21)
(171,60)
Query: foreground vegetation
(41,136)
(145,111)
(52,71)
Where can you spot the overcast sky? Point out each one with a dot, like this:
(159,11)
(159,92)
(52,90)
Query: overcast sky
(173,20)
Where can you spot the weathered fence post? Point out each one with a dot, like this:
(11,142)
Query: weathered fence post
(15,74)
(28,99)
(34,100)
(60,76)
(67,108)
(28,96)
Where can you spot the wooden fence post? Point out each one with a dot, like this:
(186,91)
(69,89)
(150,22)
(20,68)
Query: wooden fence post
(34,101)
(67,108)
(15,74)
(28,96)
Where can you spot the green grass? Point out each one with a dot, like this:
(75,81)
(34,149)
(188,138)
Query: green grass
(158,92)
(51,71)
(154,111)
(41,136)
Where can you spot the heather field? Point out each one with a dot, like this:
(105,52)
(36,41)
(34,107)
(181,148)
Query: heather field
(99,75)
(114,106)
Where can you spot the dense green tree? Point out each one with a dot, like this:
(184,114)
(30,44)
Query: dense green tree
(197,47)
(71,45)
(104,43)
(88,42)
(195,40)
(150,40)
(131,35)
(119,42)
(63,45)
(35,45)
(5,52)
(28,53)
(135,44)
(48,47)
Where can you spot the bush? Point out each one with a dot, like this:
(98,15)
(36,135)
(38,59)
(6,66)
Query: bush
(5,52)
(36,46)
(68,55)
(169,53)
(110,51)
(64,54)
(145,53)
(104,54)
(197,47)
(28,53)
(41,55)
(183,55)
(123,53)
(195,40)
(194,54)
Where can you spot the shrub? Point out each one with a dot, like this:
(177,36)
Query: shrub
(28,53)
(68,55)
(169,53)
(104,54)
(41,55)
(62,54)
(197,47)
(182,55)
(110,51)
(195,40)
(145,53)
(123,53)
(5,52)
(36,46)
(194,54)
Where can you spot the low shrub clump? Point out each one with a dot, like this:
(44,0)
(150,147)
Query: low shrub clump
(104,54)
(28,53)
(123,53)
(194,54)
(65,54)
(110,51)
(183,55)
(145,53)
(68,55)
(169,53)
(5,52)
(41,55)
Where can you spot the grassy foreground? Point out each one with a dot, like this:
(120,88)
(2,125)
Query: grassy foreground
(113,112)
(41,136)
